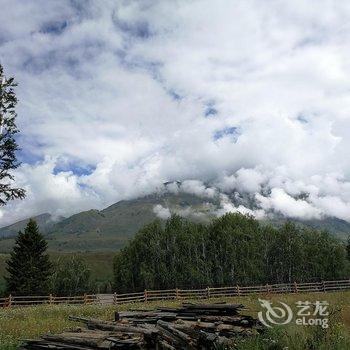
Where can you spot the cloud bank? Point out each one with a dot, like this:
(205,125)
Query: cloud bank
(116,99)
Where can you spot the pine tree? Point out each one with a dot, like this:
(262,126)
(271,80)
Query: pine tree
(29,267)
(8,145)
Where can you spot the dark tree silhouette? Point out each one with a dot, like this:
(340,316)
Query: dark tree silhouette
(29,266)
(8,144)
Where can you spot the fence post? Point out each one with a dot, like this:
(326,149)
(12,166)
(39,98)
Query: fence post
(85,298)
(50,299)
(177,293)
(146,296)
(295,287)
(324,286)
(9,301)
(208,292)
(268,288)
(115,300)
(238,291)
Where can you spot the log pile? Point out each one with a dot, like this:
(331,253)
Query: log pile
(192,326)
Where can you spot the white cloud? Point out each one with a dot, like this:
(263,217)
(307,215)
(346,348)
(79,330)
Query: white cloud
(123,89)
(197,188)
(333,206)
(286,205)
(226,206)
(244,180)
(161,212)
(60,194)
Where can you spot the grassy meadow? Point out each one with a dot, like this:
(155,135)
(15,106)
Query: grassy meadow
(31,322)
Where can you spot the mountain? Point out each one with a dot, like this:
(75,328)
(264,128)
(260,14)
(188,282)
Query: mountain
(107,229)
(110,228)
(339,228)
(45,222)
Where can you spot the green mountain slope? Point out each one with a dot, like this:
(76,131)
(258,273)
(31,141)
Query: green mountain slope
(339,228)
(110,228)
(45,221)
(107,229)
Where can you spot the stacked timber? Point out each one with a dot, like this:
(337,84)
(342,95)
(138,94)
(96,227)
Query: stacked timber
(192,326)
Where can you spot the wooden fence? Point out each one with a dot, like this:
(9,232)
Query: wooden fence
(176,294)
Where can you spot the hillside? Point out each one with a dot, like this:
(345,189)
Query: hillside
(107,229)
(110,228)
(45,221)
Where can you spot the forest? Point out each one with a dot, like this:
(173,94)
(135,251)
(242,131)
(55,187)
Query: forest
(233,249)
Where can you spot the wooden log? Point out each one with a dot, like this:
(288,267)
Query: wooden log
(164,345)
(131,341)
(207,340)
(184,324)
(192,326)
(164,334)
(120,328)
(183,336)
(71,339)
(245,321)
(110,326)
(41,344)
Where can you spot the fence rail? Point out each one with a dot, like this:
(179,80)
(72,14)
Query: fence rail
(175,294)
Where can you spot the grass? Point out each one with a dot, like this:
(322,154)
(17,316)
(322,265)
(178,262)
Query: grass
(31,322)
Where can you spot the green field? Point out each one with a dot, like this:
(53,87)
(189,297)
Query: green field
(100,264)
(31,322)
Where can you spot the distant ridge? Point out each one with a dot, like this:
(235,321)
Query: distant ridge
(45,221)
(110,228)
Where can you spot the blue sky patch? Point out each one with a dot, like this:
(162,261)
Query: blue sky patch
(229,131)
(28,157)
(55,28)
(31,150)
(210,111)
(76,169)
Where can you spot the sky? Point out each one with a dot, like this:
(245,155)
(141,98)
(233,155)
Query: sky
(118,97)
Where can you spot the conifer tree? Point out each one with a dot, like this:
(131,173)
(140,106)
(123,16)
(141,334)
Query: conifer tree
(29,266)
(8,145)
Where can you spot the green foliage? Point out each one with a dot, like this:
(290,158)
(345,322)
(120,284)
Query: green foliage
(233,249)
(99,263)
(8,145)
(29,267)
(71,277)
